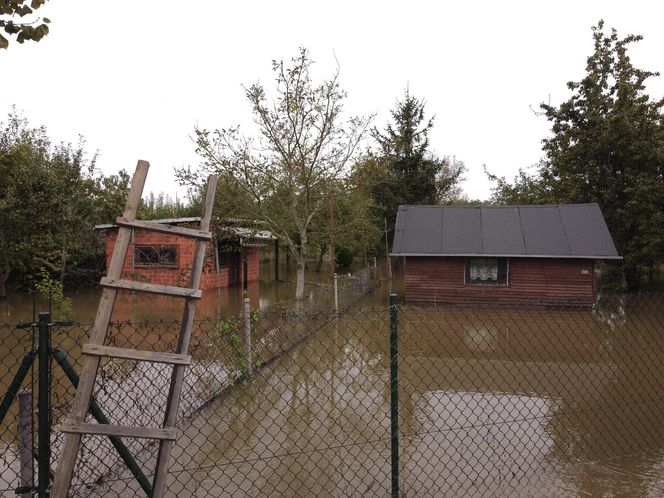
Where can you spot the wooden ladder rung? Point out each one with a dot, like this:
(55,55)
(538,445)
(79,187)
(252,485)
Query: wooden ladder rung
(166,290)
(190,233)
(136,354)
(121,431)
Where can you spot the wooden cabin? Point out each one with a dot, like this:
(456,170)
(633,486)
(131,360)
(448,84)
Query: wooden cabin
(502,255)
(232,257)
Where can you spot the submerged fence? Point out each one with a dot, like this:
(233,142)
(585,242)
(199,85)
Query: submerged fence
(489,402)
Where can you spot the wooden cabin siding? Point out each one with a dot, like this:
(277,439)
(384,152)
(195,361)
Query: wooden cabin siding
(179,274)
(531,282)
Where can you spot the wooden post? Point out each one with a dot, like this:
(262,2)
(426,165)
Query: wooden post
(330,233)
(336,293)
(27,469)
(248,355)
(387,254)
(276,260)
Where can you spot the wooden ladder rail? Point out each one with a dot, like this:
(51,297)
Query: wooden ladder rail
(177,377)
(94,349)
(86,383)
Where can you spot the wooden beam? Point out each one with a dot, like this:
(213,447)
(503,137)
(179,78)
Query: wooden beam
(165,290)
(135,354)
(121,431)
(190,233)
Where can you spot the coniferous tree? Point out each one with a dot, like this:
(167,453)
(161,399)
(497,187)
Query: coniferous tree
(405,171)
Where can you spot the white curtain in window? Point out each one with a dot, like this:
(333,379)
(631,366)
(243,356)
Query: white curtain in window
(484,269)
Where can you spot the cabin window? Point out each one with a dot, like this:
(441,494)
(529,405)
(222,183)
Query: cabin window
(156,256)
(486,271)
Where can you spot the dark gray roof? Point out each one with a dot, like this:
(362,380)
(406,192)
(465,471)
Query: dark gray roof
(551,231)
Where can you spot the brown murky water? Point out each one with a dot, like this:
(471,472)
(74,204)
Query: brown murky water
(492,403)
(21,307)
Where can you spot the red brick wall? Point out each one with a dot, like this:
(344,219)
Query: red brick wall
(532,281)
(180,275)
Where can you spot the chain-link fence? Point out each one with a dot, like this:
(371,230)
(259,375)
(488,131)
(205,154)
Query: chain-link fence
(296,401)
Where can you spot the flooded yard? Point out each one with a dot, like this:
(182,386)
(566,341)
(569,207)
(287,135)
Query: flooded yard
(492,402)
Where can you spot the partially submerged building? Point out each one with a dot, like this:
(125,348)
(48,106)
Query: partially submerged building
(232,258)
(502,255)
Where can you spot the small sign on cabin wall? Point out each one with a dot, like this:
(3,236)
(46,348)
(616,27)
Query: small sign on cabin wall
(585,271)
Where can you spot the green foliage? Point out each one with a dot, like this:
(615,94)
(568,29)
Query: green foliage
(607,146)
(227,336)
(404,171)
(29,27)
(50,200)
(343,257)
(161,206)
(51,289)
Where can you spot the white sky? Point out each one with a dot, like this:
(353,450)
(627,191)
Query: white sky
(135,77)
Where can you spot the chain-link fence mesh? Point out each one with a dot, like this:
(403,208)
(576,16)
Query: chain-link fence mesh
(491,402)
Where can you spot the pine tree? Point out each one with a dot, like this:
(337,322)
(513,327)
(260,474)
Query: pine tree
(408,172)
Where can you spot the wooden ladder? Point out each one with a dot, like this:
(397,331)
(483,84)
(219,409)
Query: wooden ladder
(95,349)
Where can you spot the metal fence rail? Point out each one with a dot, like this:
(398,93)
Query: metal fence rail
(296,400)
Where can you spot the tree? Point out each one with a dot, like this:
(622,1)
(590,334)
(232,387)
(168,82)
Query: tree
(33,28)
(161,206)
(301,149)
(50,199)
(404,171)
(607,146)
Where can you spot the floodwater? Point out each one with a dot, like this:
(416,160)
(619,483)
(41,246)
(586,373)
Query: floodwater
(492,402)
(138,307)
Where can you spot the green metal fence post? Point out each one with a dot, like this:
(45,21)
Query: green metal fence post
(14,387)
(44,451)
(394,397)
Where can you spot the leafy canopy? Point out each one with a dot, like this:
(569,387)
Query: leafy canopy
(50,199)
(29,27)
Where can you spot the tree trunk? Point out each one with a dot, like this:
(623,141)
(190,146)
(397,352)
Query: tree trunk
(301,266)
(319,265)
(3,279)
(63,264)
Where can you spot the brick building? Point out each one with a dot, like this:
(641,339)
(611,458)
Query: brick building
(233,255)
(502,255)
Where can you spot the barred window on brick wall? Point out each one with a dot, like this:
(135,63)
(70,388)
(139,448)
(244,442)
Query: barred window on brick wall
(156,256)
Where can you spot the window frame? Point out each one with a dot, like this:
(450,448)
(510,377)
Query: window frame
(498,283)
(158,248)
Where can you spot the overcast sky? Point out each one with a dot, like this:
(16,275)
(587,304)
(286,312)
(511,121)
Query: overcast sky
(135,77)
